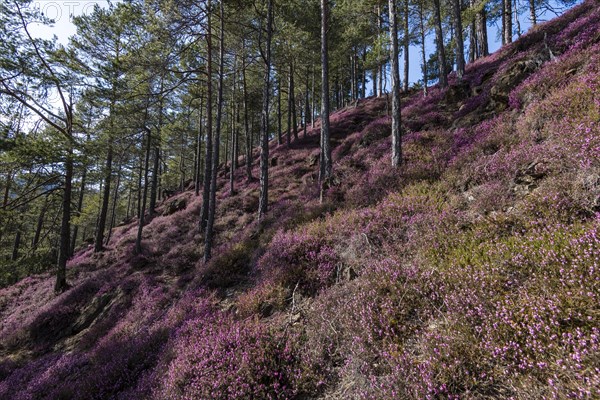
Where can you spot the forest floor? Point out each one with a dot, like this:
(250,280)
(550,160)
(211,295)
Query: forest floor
(472,271)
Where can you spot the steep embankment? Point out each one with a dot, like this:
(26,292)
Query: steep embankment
(471,272)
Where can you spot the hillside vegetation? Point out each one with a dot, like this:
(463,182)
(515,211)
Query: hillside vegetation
(470,272)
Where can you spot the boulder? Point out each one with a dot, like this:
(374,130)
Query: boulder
(527,178)
(174,206)
(514,75)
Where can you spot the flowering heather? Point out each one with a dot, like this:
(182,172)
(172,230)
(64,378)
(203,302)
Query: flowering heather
(472,271)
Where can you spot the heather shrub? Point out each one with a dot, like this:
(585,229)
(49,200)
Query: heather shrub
(375,131)
(263,300)
(217,357)
(230,265)
(303,257)
(528,297)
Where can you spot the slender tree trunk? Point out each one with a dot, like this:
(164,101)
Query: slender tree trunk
(441,53)
(154,188)
(236,149)
(363,75)
(98,245)
(379,62)
(139,182)
(127,214)
(481,26)
(209,140)
(182,174)
(227,145)
(217,141)
(423,51)
(306,104)
(279,135)
(313,98)
(353,90)
(138,240)
(5,201)
(7,189)
(532,13)
(503,27)
(396,132)
(263,204)
(290,109)
(406,43)
(39,226)
(233,165)
(517,22)
(472,43)
(247,133)
(65,225)
(473,36)
(293,103)
(114,203)
(507,21)
(374,77)
(326,164)
(17,241)
(79,209)
(460,46)
(199,165)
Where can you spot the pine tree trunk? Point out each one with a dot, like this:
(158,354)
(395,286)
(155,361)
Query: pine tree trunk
(293,102)
(138,240)
(441,53)
(406,45)
(182,169)
(423,52)
(208,153)
(65,225)
(326,164)
(460,46)
(290,109)
(139,182)
(154,191)
(98,244)
(40,226)
(379,65)
(532,12)
(127,213)
(233,165)
(473,55)
(17,241)
(363,75)
(352,74)
(507,21)
(307,115)
(114,203)
(263,204)
(481,27)
(503,27)
(279,136)
(212,205)
(396,133)
(517,22)
(79,209)
(198,174)
(374,78)
(314,100)
(247,133)
(5,200)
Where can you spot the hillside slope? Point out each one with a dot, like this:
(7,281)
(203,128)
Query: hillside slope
(470,272)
